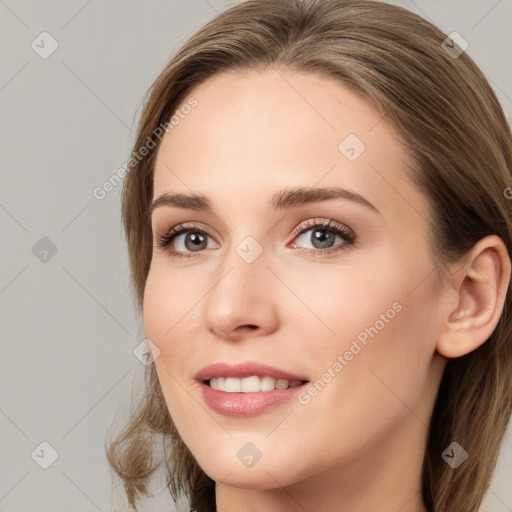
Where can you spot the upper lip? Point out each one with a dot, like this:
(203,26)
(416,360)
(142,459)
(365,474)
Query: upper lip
(245,369)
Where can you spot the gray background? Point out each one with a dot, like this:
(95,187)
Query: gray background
(68,325)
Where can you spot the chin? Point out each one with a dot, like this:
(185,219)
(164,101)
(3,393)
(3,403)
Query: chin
(249,478)
(263,474)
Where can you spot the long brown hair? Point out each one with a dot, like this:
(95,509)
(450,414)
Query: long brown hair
(460,142)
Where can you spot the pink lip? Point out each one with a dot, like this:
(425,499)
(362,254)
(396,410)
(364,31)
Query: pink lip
(245,404)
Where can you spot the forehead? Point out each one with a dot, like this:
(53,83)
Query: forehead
(258,131)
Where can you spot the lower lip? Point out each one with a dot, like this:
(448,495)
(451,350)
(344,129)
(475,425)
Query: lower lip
(247,404)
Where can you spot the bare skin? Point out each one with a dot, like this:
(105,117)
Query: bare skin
(358,444)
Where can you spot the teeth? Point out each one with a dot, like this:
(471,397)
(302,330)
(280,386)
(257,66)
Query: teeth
(218,383)
(252,384)
(268,384)
(232,385)
(282,384)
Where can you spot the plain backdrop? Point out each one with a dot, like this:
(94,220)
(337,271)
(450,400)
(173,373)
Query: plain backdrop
(68,322)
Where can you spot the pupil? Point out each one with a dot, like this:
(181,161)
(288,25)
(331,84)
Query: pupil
(324,237)
(196,239)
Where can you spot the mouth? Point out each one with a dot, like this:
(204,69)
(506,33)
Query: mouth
(247,389)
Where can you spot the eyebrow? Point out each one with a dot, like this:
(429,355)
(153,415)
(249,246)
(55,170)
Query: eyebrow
(285,199)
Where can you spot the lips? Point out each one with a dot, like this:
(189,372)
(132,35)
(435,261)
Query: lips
(251,403)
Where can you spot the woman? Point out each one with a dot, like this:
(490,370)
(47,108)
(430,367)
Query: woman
(319,236)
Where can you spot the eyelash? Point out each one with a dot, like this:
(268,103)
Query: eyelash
(164,240)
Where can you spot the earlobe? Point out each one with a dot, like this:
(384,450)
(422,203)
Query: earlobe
(481,286)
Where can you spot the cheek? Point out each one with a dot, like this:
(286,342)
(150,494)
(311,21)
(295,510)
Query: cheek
(387,343)
(155,310)
(380,320)
(343,300)
(166,319)
(168,304)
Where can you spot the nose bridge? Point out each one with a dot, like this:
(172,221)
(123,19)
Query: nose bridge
(240,295)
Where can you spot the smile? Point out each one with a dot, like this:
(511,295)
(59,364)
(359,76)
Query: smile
(251,384)
(247,388)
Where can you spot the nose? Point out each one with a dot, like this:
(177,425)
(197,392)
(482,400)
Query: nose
(242,302)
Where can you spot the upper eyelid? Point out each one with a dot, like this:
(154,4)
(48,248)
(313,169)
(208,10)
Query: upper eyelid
(321,222)
(189,226)
(180,227)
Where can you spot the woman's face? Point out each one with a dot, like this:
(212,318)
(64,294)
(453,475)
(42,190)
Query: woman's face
(351,307)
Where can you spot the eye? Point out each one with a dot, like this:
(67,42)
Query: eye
(322,237)
(188,240)
(186,237)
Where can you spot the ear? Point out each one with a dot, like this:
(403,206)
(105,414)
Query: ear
(480,286)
